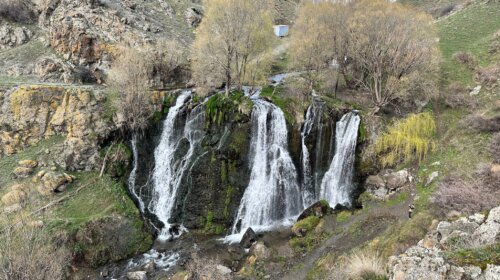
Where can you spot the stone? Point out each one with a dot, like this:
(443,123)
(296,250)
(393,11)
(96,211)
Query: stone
(52,182)
(475,91)
(193,17)
(318,209)
(13,197)
(387,182)
(431,178)
(22,172)
(489,231)
(492,272)
(137,275)
(260,251)
(13,208)
(150,266)
(36,224)
(249,237)
(223,270)
(28,163)
(453,214)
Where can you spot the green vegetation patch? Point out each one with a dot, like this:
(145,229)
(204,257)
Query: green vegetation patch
(469,30)
(481,256)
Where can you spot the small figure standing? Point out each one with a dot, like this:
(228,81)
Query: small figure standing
(410,210)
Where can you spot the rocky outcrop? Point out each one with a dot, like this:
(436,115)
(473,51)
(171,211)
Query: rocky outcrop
(11,36)
(388,182)
(31,113)
(430,259)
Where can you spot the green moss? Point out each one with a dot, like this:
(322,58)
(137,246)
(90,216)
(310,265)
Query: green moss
(481,256)
(307,224)
(288,105)
(220,108)
(397,199)
(223,172)
(343,216)
(362,133)
(209,221)
(227,201)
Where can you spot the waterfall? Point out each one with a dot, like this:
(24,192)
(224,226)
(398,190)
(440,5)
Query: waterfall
(308,194)
(273,193)
(337,184)
(173,157)
(133,174)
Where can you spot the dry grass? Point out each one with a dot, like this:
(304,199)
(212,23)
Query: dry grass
(466,59)
(469,197)
(26,252)
(361,265)
(495,148)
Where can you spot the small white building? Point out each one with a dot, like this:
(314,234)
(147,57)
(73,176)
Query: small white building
(281,30)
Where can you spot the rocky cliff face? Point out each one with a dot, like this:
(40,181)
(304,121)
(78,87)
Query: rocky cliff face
(31,113)
(81,37)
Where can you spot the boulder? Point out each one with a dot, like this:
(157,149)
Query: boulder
(13,197)
(28,163)
(489,231)
(52,182)
(260,250)
(318,209)
(193,17)
(13,208)
(387,182)
(137,275)
(249,237)
(22,172)
(223,270)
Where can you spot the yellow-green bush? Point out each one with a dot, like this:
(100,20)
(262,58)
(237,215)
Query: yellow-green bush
(407,140)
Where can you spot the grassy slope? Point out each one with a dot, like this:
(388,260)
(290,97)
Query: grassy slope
(469,30)
(98,199)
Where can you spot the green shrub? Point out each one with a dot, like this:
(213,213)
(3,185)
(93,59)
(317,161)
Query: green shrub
(407,140)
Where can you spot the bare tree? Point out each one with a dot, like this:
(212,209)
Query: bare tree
(26,252)
(129,78)
(232,42)
(168,58)
(390,44)
(320,41)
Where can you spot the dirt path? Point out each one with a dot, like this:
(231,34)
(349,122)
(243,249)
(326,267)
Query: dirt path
(344,242)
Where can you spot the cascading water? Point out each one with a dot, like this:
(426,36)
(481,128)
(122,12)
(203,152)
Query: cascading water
(170,166)
(133,174)
(337,184)
(273,193)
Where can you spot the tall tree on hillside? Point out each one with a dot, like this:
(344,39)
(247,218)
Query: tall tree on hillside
(232,43)
(392,46)
(320,38)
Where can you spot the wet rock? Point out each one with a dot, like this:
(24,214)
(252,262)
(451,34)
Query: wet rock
(249,237)
(22,172)
(318,209)
(28,163)
(260,250)
(137,275)
(150,266)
